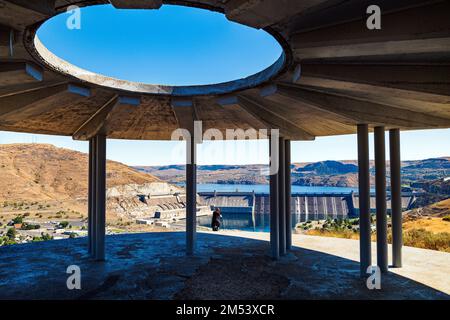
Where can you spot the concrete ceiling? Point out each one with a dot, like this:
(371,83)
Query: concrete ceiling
(335,74)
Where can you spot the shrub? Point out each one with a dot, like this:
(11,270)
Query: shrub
(11,233)
(27,226)
(46,236)
(446,218)
(63,224)
(18,219)
(420,238)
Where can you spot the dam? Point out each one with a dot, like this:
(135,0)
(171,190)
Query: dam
(253,209)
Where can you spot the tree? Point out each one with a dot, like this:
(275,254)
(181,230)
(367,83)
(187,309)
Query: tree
(11,233)
(18,220)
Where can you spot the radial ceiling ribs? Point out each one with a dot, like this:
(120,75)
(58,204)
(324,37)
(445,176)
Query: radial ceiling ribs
(137,4)
(101,122)
(17,106)
(263,13)
(216,117)
(12,73)
(184,110)
(316,122)
(422,29)
(422,87)
(267,114)
(417,77)
(96,123)
(359,110)
(243,119)
(143,121)
(22,13)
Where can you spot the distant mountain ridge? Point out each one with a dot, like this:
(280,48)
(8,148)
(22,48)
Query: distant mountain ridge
(324,173)
(328,167)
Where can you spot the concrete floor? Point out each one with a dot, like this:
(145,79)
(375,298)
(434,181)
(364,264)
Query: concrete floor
(228,265)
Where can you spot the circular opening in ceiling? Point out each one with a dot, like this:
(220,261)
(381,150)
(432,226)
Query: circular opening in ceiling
(174,50)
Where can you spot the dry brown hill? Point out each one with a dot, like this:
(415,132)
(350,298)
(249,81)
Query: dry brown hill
(39,172)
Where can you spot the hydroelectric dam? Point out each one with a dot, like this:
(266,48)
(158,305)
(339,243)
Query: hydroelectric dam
(306,206)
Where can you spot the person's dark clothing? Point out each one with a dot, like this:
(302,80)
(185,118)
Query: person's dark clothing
(215,223)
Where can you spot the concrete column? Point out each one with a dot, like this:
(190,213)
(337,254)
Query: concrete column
(396,197)
(282,197)
(191,196)
(100,196)
(274,207)
(91,198)
(287,180)
(380,190)
(364,199)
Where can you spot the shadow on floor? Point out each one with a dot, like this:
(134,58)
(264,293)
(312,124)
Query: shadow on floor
(154,266)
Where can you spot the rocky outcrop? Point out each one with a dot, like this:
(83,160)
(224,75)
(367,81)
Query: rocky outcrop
(156,200)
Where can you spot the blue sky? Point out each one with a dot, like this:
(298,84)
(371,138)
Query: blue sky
(180,46)
(173,45)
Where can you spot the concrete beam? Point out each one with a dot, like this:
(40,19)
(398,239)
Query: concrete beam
(26,104)
(18,102)
(185,113)
(96,124)
(263,13)
(13,73)
(137,4)
(261,109)
(231,104)
(22,13)
(400,34)
(359,110)
(8,38)
(417,77)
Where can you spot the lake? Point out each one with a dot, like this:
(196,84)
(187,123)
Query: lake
(264,188)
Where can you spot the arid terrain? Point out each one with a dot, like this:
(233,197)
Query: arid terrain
(47,186)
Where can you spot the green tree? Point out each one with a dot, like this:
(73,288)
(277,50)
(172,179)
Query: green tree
(11,233)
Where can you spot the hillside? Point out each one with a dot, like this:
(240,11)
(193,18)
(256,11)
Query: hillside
(41,172)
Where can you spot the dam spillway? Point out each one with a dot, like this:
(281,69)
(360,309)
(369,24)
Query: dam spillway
(304,206)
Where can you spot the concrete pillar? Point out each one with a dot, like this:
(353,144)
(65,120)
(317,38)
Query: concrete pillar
(274,207)
(364,199)
(191,195)
(282,197)
(396,197)
(287,181)
(380,192)
(91,198)
(100,196)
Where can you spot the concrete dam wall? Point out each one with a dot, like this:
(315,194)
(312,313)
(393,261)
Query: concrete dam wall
(307,206)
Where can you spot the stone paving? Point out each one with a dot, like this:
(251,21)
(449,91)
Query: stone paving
(228,265)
